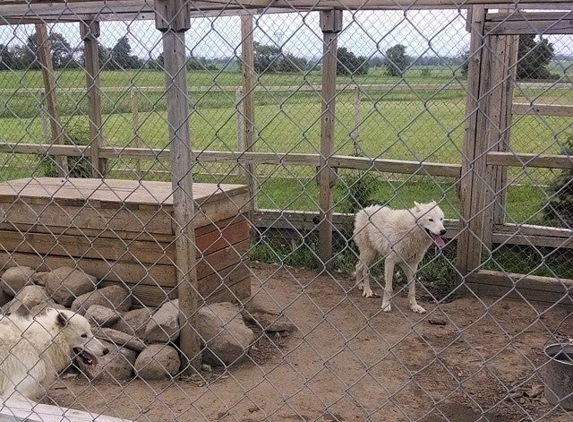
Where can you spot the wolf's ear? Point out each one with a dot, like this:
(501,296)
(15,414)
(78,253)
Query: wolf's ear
(62,319)
(417,205)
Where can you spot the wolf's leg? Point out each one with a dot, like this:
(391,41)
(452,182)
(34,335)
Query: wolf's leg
(410,270)
(367,258)
(388,274)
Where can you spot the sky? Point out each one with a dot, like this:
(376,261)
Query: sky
(438,32)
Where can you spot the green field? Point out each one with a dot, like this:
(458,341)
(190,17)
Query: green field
(398,122)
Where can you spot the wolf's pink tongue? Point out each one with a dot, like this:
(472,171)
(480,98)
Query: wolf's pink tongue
(438,241)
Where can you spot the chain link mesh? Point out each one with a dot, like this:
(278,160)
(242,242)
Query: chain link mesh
(299,341)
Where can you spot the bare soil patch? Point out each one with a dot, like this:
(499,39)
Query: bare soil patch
(467,360)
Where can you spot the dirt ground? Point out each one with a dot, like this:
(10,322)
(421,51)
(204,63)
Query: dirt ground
(466,360)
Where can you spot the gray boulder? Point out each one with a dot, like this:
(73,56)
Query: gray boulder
(163,327)
(15,278)
(30,300)
(102,316)
(157,361)
(134,322)
(65,284)
(114,297)
(266,317)
(223,332)
(120,338)
(117,365)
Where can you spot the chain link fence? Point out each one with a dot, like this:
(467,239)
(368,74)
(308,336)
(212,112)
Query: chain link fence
(238,301)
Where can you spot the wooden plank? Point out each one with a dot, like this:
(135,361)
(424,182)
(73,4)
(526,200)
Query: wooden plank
(117,249)
(235,278)
(128,272)
(553,237)
(533,288)
(16,410)
(89,218)
(524,160)
(543,109)
(110,191)
(548,27)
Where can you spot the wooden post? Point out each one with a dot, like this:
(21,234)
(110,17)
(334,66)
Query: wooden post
(503,73)
(135,125)
(89,32)
(241,141)
(331,25)
(491,76)
(172,17)
(248,103)
(473,175)
(355,134)
(45,58)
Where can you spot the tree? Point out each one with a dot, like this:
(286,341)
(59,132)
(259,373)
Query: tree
(120,56)
(271,59)
(266,58)
(62,52)
(533,57)
(6,58)
(396,60)
(349,64)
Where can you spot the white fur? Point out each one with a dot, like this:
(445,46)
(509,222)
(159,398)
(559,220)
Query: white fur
(34,350)
(401,237)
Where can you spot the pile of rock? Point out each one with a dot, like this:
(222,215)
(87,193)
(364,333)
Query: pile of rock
(142,341)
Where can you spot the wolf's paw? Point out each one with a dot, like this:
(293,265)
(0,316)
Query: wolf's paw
(367,292)
(417,308)
(386,307)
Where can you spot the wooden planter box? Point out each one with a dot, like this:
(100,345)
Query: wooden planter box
(122,232)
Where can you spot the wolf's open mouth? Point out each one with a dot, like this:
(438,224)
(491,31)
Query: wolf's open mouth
(85,357)
(438,241)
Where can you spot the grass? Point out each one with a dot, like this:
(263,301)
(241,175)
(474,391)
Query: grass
(395,123)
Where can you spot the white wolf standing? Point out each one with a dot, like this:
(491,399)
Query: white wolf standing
(35,349)
(401,237)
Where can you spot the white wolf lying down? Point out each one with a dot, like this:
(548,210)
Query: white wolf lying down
(35,349)
(401,237)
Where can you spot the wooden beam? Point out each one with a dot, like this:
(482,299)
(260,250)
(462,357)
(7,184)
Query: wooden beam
(173,27)
(513,159)
(471,193)
(548,290)
(247,103)
(331,25)
(543,109)
(90,32)
(50,95)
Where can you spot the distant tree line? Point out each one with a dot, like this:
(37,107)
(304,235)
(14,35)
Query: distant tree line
(25,57)
(533,59)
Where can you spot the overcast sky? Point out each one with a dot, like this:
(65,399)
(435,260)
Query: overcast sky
(423,33)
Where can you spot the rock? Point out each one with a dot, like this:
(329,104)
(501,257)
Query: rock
(15,278)
(31,299)
(65,284)
(263,316)
(134,322)
(226,337)
(114,297)
(102,316)
(117,365)
(163,327)
(119,338)
(157,361)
